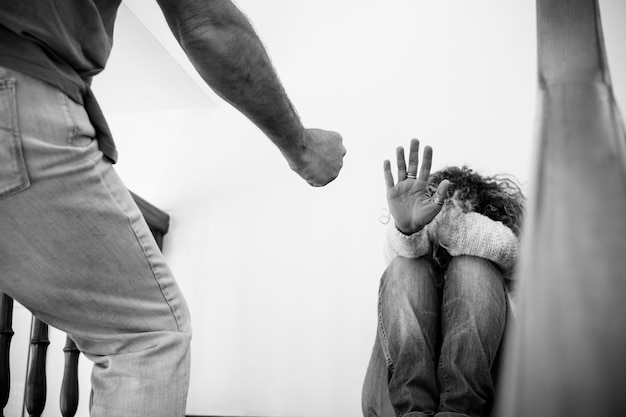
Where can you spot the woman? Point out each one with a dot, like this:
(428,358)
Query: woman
(443,300)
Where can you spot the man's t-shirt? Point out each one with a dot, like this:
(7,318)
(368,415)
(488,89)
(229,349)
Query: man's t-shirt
(62,42)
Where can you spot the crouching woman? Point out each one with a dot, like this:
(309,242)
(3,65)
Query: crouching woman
(443,306)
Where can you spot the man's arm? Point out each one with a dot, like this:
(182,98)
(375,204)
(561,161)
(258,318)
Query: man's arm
(225,50)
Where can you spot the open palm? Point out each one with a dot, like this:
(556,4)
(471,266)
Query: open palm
(409,202)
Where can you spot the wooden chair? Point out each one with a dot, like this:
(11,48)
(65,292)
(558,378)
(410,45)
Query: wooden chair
(35,392)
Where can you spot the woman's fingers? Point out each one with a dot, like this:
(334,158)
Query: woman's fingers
(439,198)
(387,173)
(405,172)
(401,163)
(414,151)
(427,160)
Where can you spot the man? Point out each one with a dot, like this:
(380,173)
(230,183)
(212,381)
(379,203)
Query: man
(74,248)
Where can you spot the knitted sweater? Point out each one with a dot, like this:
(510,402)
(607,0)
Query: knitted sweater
(460,234)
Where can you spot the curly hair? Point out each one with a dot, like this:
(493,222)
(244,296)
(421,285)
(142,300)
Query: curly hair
(499,197)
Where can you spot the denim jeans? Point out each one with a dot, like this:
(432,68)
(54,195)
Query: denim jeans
(76,251)
(438,337)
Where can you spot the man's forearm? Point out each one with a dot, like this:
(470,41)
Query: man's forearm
(224,48)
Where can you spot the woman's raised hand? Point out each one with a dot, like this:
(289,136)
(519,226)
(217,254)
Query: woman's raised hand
(409,203)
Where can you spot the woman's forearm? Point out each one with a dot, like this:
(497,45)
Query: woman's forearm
(477,235)
(408,246)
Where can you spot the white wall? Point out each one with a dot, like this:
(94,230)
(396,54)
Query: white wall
(282,278)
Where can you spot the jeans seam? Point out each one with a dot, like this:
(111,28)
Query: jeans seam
(444,376)
(384,341)
(143,250)
(21,171)
(71,121)
(155,275)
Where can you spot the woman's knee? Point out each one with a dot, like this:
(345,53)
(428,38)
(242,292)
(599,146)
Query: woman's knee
(409,270)
(409,278)
(474,271)
(475,286)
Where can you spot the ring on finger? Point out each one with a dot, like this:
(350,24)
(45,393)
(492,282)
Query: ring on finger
(409,175)
(439,200)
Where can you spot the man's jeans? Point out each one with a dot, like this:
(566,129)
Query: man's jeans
(75,250)
(438,337)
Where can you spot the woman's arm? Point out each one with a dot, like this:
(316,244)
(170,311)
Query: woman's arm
(477,235)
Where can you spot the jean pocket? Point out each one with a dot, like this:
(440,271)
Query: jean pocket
(13,174)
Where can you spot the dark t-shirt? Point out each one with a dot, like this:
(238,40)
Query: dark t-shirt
(63,42)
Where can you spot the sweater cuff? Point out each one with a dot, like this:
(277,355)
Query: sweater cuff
(407,246)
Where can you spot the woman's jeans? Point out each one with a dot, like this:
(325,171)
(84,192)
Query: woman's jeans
(76,251)
(438,337)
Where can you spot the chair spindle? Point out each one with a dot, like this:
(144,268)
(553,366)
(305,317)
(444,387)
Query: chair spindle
(35,396)
(69,386)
